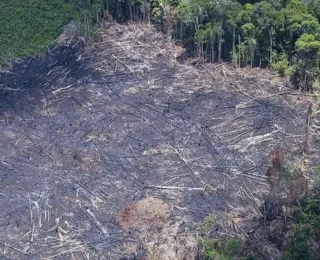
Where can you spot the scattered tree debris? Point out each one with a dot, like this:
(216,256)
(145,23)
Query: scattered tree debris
(160,144)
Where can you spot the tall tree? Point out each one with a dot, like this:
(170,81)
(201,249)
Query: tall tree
(264,15)
(308,60)
(293,21)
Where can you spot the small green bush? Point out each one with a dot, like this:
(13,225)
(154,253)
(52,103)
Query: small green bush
(210,252)
(251,256)
(299,245)
(207,225)
(220,250)
(307,226)
(281,65)
(231,247)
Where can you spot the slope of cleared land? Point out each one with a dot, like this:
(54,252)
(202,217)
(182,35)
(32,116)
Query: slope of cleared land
(119,150)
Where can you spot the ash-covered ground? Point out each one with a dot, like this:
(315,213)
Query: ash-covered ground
(119,150)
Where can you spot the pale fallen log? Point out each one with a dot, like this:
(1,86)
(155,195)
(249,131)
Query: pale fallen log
(175,188)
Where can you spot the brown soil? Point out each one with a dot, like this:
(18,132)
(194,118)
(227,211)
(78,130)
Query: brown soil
(147,215)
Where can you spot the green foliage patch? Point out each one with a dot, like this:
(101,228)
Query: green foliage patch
(220,250)
(29,26)
(305,229)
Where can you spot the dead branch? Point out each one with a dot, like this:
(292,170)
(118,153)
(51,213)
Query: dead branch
(174,188)
(114,56)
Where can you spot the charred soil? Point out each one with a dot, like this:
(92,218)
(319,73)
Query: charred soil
(118,150)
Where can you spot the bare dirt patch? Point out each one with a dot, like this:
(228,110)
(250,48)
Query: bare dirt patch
(146,215)
(149,220)
(86,133)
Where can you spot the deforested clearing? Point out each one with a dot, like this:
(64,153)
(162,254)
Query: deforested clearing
(127,128)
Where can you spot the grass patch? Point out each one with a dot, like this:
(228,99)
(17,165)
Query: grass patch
(28,26)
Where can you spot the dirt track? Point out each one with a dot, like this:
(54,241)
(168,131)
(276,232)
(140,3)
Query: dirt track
(82,139)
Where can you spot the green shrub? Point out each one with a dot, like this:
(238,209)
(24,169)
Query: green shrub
(231,247)
(299,245)
(215,249)
(251,256)
(307,226)
(281,65)
(207,225)
(210,252)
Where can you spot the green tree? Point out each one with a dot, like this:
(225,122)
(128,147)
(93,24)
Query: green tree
(314,8)
(293,21)
(244,20)
(249,43)
(264,15)
(308,61)
(231,10)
